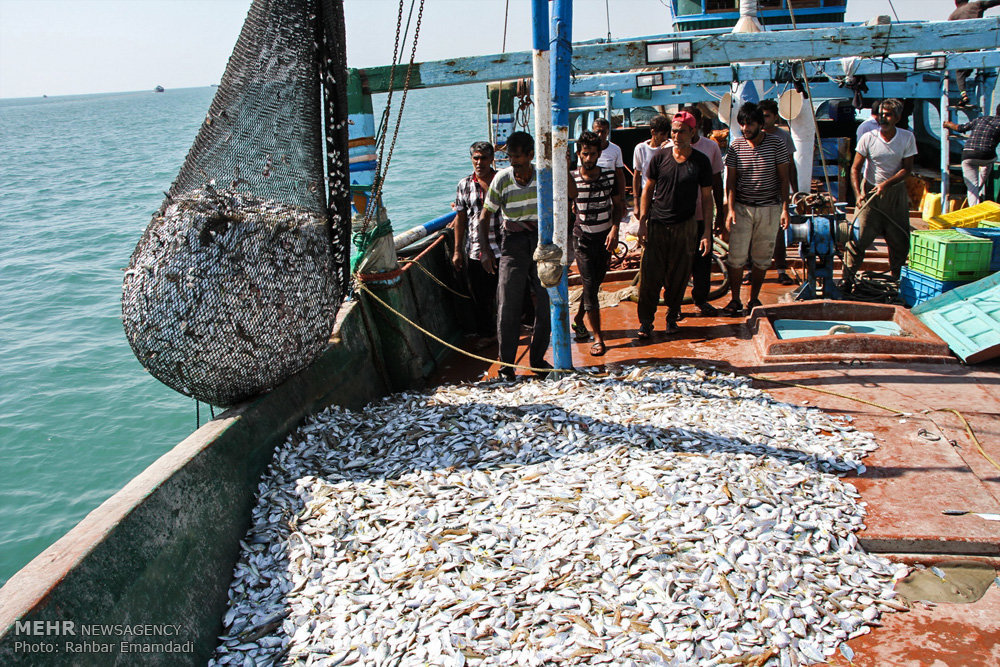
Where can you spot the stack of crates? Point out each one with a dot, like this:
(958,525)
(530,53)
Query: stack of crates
(965,217)
(941,260)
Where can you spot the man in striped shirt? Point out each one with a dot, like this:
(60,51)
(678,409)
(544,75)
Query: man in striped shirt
(469,197)
(598,208)
(757,192)
(513,196)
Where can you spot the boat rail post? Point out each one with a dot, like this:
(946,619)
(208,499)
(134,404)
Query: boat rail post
(562,55)
(945,142)
(541,72)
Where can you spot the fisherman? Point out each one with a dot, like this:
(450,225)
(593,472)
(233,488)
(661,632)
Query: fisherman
(979,153)
(513,195)
(668,231)
(469,199)
(701,262)
(757,192)
(659,133)
(769,108)
(611,154)
(598,209)
(883,203)
(965,10)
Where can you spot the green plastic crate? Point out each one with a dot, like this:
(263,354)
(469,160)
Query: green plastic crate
(948,254)
(989,224)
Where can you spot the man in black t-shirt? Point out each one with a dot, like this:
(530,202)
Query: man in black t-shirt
(668,231)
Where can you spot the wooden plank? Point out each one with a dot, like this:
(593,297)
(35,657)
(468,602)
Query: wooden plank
(808,44)
(617,81)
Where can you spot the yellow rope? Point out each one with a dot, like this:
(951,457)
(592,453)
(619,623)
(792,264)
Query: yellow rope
(887,408)
(764,378)
(433,277)
(972,435)
(364,288)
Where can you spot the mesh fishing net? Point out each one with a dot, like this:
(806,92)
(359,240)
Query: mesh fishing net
(235,284)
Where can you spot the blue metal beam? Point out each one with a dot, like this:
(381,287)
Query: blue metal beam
(807,44)
(925,90)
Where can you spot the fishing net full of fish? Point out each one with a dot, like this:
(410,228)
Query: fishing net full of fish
(236,282)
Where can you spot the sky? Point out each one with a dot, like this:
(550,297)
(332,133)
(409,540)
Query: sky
(67,47)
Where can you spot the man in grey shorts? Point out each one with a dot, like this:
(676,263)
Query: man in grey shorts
(883,204)
(757,192)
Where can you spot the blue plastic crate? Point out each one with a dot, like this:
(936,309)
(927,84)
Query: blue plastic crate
(991,233)
(916,287)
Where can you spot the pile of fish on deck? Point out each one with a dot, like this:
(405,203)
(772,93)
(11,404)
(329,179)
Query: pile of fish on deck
(653,515)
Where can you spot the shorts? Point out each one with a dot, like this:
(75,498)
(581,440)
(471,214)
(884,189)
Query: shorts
(754,233)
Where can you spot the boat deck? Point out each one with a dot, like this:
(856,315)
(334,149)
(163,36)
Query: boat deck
(927,462)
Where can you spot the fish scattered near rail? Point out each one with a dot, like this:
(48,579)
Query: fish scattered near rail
(653,515)
(227,294)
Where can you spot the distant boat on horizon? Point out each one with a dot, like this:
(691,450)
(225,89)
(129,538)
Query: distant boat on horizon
(159,89)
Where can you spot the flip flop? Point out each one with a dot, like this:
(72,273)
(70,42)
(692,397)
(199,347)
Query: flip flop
(733,309)
(598,349)
(580,333)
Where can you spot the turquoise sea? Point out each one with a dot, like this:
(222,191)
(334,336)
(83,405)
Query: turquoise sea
(80,177)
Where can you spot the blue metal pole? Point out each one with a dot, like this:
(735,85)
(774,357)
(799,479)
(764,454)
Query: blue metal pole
(562,22)
(543,158)
(543,119)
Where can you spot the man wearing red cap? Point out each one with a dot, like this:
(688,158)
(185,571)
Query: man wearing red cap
(668,230)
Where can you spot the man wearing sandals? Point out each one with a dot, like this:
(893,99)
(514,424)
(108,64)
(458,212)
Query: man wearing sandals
(668,230)
(757,192)
(469,197)
(513,196)
(598,208)
(883,204)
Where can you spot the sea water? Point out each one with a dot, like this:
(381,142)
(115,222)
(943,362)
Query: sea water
(80,178)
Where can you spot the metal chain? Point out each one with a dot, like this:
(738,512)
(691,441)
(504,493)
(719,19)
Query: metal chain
(382,171)
(380,134)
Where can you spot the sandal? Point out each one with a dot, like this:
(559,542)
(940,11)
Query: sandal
(785,279)
(580,333)
(598,349)
(733,309)
(645,331)
(707,309)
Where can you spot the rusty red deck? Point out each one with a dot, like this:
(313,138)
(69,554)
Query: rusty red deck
(926,463)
